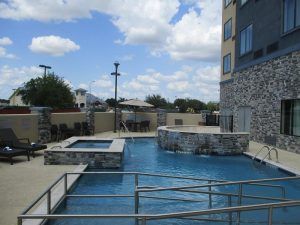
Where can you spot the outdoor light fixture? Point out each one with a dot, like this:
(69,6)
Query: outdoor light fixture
(116,74)
(45,68)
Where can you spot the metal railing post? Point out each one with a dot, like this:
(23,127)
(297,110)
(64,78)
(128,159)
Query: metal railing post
(270,215)
(136,197)
(66,184)
(209,196)
(239,203)
(144,221)
(20,221)
(49,202)
(230,213)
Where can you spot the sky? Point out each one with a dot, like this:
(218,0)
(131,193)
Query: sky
(166,47)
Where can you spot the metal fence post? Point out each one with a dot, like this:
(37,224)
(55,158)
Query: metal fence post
(209,196)
(49,202)
(136,197)
(66,184)
(20,221)
(270,215)
(230,213)
(144,221)
(239,203)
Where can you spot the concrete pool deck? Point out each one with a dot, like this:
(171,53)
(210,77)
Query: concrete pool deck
(24,181)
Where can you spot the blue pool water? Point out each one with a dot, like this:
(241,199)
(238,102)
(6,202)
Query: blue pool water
(145,156)
(91,144)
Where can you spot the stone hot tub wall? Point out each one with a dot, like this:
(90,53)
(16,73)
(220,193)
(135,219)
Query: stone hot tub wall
(203,143)
(93,159)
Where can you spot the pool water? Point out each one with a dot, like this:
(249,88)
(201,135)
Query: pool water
(145,156)
(91,144)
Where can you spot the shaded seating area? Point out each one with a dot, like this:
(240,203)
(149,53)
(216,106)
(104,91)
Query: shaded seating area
(10,153)
(9,138)
(134,126)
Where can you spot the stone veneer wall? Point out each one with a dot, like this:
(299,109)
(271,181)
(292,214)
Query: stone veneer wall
(262,87)
(161,117)
(203,143)
(44,123)
(103,160)
(90,119)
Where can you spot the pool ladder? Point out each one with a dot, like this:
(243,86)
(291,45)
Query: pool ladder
(127,130)
(267,155)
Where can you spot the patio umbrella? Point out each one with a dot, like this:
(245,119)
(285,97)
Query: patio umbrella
(136,103)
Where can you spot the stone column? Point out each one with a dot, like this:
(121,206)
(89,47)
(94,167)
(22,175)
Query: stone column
(44,123)
(119,118)
(161,117)
(90,119)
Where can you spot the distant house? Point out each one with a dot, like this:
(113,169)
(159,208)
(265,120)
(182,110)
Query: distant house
(84,100)
(4,102)
(16,99)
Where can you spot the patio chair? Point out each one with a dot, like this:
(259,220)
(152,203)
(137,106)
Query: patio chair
(129,124)
(178,122)
(8,152)
(54,132)
(8,137)
(122,127)
(85,128)
(77,128)
(65,132)
(145,125)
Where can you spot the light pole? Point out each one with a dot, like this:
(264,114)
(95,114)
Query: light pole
(45,68)
(116,74)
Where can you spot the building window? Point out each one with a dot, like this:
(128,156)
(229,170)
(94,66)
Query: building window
(243,2)
(227,29)
(291,14)
(227,64)
(246,40)
(227,2)
(290,117)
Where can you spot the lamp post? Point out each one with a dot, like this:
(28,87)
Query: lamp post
(116,74)
(45,68)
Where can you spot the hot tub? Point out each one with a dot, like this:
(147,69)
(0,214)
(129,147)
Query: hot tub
(96,152)
(202,140)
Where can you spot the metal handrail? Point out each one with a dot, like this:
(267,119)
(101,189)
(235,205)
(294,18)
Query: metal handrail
(267,147)
(269,206)
(126,128)
(137,190)
(269,154)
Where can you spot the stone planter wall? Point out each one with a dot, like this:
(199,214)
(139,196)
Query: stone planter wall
(203,143)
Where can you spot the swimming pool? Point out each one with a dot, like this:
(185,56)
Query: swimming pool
(145,156)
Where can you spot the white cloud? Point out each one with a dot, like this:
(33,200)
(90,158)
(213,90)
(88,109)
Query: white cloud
(4,54)
(195,36)
(11,78)
(5,41)
(178,86)
(127,58)
(52,45)
(103,82)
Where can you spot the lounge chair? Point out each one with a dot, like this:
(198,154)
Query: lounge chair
(12,152)
(8,137)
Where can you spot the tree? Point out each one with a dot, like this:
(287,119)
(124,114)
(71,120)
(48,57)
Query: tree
(48,90)
(111,102)
(156,100)
(212,106)
(181,104)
